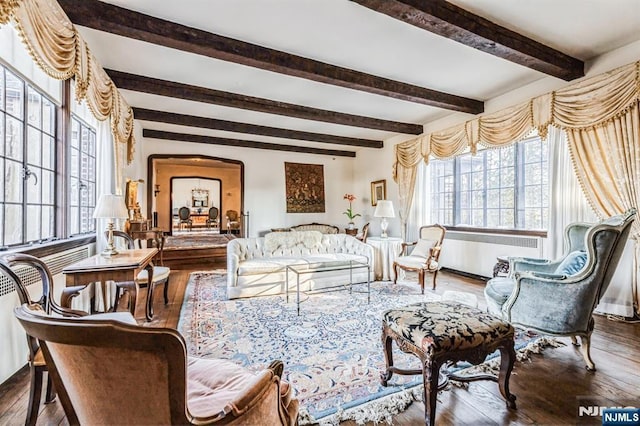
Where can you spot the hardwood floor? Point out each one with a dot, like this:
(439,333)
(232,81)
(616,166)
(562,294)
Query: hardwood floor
(549,388)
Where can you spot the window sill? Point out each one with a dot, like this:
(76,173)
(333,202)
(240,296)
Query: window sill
(51,247)
(521,232)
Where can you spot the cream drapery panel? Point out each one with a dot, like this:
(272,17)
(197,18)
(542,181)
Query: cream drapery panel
(60,51)
(601,117)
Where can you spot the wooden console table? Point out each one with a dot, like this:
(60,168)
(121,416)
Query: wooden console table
(125,266)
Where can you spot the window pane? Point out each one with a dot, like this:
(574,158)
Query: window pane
(48,149)
(33,224)
(2,182)
(15,95)
(34,108)
(478,218)
(75,133)
(1,96)
(508,177)
(493,218)
(33,146)
(507,219)
(33,188)
(48,116)
(493,198)
(13,224)
(74,192)
(2,131)
(74,222)
(48,218)
(507,197)
(13,182)
(14,142)
(74,163)
(48,187)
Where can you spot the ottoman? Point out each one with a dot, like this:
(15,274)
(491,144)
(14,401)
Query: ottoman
(447,332)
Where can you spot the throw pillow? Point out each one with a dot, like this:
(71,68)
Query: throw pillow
(572,264)
(423,248)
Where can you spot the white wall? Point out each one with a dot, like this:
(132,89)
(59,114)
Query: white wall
(264,181)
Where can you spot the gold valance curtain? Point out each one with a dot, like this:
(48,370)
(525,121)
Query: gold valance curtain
(601,116)
(59,50)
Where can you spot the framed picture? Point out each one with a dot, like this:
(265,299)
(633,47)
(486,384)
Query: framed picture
(378,191)
(304,184)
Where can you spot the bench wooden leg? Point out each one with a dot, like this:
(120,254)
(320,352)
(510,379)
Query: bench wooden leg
(430,374)
(507,358)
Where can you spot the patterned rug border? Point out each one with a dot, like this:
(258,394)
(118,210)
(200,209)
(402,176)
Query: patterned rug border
(382,408)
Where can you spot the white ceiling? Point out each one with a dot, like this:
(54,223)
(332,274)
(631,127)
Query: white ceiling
(343,33)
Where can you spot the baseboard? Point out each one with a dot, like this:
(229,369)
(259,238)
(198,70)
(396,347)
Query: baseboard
(466,274)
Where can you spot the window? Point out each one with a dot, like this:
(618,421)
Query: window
(496,188)
(82,177)
(27,161)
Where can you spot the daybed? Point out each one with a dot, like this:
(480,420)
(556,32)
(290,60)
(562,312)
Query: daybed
(257,266)
(320,227)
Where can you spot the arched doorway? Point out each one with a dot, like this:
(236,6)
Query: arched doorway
(163,169)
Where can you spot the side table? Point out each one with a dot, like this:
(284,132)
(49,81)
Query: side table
(353,232)
(385,250)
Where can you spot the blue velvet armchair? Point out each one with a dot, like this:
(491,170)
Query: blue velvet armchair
(558,297)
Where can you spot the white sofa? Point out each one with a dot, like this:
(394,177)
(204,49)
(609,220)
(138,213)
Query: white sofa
(257,266)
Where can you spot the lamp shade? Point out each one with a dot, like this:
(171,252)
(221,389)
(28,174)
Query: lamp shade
(384,208)
(110,207)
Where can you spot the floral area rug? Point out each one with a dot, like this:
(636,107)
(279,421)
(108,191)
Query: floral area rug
(332,351)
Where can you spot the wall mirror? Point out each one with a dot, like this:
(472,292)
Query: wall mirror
(200,197)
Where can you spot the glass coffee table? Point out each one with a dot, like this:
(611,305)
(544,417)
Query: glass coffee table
(328,266)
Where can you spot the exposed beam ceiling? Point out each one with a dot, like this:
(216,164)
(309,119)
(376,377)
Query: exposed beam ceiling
(202,94)
(211,140)
(450,21)
(127,23)
(232,126)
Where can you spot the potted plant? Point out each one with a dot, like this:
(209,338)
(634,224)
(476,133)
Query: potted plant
(350,214)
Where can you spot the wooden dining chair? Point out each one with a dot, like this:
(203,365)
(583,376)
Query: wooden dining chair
(13,267)
(160,273)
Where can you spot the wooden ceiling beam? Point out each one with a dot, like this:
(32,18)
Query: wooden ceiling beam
(233,126)
(188,92)
(212,140)
(450,21)
(128,23)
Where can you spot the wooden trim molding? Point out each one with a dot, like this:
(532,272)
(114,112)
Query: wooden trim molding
(53,247)
(519,232)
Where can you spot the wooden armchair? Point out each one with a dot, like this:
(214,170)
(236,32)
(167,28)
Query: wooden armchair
(425,255)
(162,385)
(11,266)
(363,236)
(160,273)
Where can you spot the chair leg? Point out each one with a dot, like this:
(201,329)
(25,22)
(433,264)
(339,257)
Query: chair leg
(435,274)
(166,292)
(395,273)
(118,295)
(421,279)
(34,396)
(586,354)
(51,391)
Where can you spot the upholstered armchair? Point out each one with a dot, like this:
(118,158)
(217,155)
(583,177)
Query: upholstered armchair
(212,220)
(558,298)
(233,221)
(425,255)
(116,372)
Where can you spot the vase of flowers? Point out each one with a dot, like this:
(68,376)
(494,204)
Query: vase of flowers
(350,214)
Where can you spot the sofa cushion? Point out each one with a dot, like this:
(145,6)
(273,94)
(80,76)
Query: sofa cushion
(275,240)
(572,264)
(265,265)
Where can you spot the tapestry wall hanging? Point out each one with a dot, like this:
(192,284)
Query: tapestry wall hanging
(305,187)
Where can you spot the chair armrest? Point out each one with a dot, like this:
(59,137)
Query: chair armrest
(64,309)
(549,276)
(521,265)
(403,251)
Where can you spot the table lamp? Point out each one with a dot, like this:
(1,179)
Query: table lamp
(110,207)
(384,209)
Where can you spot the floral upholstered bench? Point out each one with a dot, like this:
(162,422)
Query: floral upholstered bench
(447,332)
